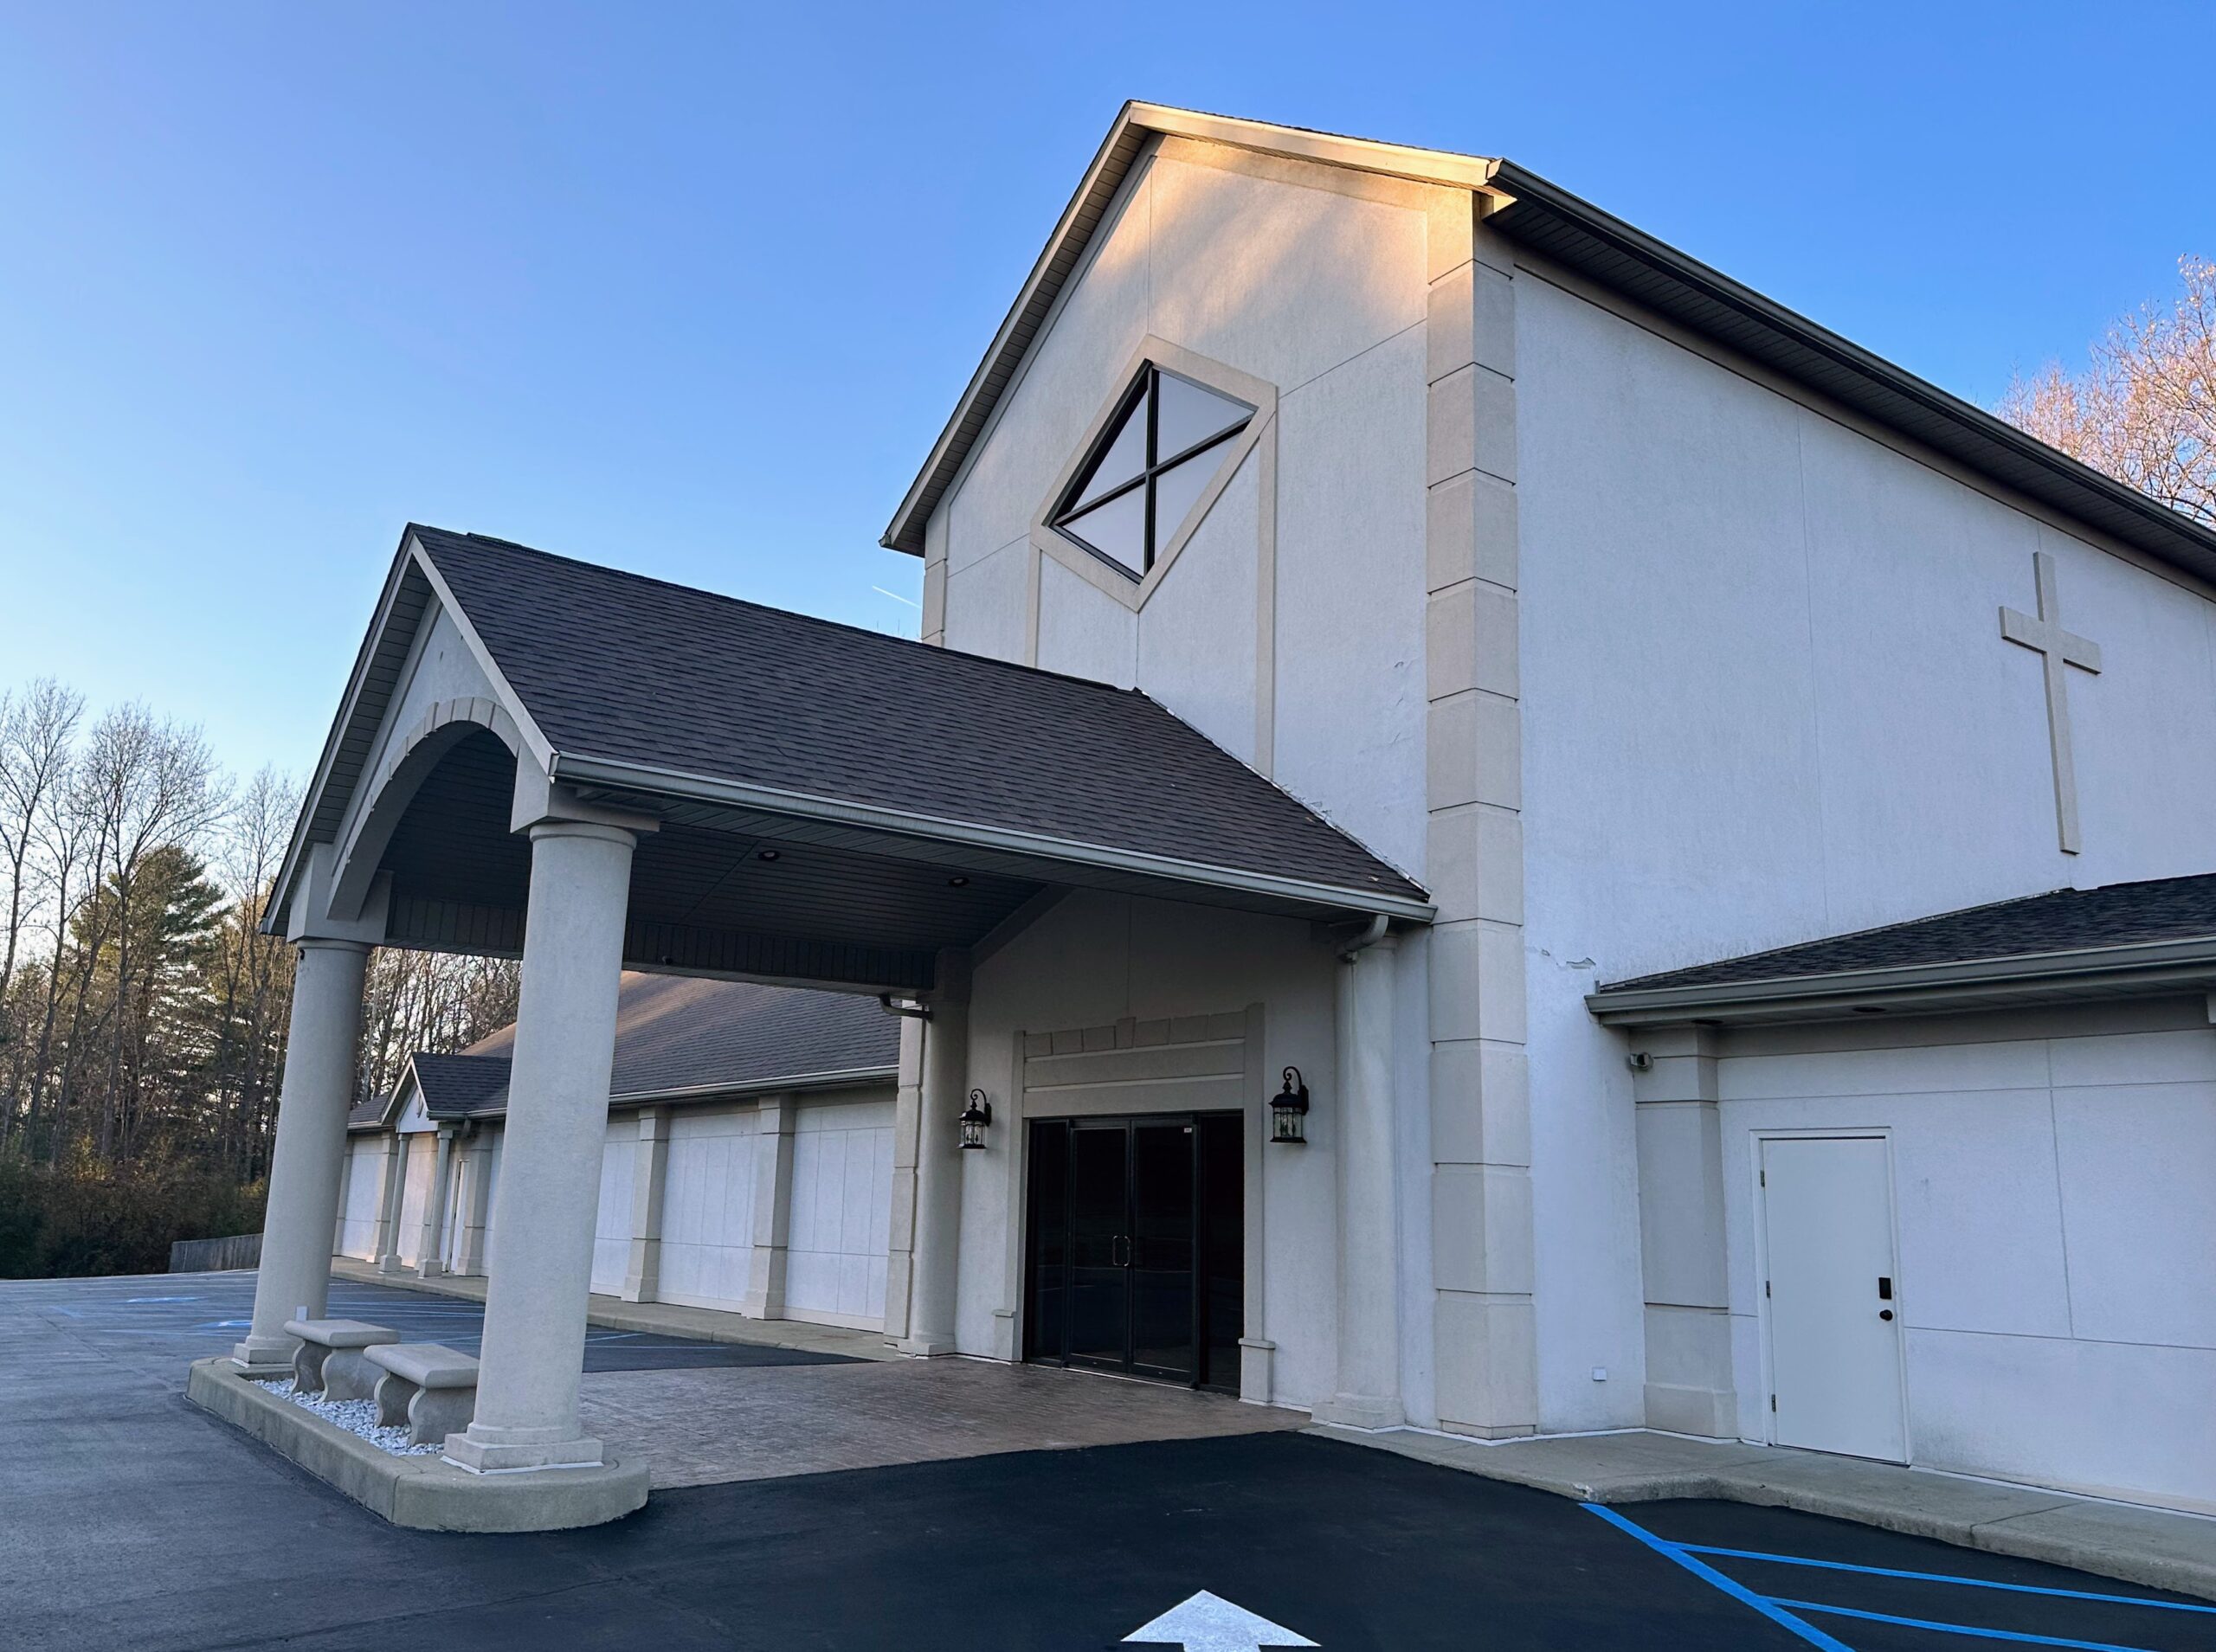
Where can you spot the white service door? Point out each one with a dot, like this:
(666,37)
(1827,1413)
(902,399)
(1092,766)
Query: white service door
(707,1207)
(611,1237)
(358,1234)
(1832,1308)
(415,1196)
(842,1214)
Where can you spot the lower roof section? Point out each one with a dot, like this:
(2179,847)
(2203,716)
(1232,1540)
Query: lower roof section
(2123,940)
(680,1039)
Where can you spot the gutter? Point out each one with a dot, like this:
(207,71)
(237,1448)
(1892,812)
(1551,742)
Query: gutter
(2137,967)
(641,777)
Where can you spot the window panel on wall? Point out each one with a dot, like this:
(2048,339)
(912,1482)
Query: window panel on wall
(1186,415)
(1162,449)
(1178,489)
(1117,529)
(1123,461)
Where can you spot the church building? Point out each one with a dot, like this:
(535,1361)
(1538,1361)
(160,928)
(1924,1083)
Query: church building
(1489,832)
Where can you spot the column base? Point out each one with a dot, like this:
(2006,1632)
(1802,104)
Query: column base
(924,1348)
(260,1356)
(497,1450)
(429,1268)
(392,1265)
(1371,1411)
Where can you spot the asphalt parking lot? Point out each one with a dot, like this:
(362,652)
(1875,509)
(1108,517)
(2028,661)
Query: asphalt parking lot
(130,1519)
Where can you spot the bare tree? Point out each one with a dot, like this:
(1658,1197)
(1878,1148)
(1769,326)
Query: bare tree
(37,728)
(2145,410)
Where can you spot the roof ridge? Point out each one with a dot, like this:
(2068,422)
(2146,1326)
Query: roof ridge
(1094,684)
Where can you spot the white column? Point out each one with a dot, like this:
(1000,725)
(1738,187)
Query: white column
(539,1256)
(475,1205)
(773,1208)
(431,1260)
(934,1275)
(649,1177)
(311,1149)
(1369,1298)
(391,1194)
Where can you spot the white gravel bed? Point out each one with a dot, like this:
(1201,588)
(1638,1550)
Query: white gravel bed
(355,1416)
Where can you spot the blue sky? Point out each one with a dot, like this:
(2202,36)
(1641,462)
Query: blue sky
(690,288)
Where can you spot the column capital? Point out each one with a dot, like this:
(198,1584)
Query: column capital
(328,943)
(540,799)
(601,831)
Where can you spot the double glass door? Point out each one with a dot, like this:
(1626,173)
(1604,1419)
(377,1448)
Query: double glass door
(1134,1246)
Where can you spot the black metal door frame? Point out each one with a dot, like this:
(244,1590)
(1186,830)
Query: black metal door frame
(1198,1374)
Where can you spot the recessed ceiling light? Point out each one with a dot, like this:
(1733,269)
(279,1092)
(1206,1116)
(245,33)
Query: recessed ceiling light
(957,881)
(766,854)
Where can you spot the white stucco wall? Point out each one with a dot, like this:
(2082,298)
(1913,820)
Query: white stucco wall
(2055,1232)
(1320,293)
(1096,959)
(1766,698)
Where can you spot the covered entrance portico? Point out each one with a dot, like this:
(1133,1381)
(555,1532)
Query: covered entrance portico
(593,771)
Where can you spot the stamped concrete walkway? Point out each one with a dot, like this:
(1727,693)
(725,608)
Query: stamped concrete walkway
(704,1428)
(656,1319)
(2154,1547)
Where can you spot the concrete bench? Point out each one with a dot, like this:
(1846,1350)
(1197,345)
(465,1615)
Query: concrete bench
(430,1389)
(328,1359)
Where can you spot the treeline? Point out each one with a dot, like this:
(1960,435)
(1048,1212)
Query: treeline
(142,1012)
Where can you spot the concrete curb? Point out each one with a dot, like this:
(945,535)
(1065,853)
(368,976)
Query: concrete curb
(423,1492)
(2154,1547)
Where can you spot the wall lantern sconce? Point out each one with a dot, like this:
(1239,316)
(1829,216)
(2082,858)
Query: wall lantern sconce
(1289,1110)
(977,1118)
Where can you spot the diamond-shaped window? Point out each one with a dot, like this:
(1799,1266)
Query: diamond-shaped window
(1149,469)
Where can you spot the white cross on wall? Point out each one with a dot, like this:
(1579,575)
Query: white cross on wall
(2056,648)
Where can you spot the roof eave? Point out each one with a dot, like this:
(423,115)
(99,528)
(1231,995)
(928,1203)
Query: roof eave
(1134,123)
(580,770)
(2138,970)
(1527,208)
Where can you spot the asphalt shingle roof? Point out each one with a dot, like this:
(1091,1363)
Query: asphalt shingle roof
(617,666)
(2169,908)
(675,1033)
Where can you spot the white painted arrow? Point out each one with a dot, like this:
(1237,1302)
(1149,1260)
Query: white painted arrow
(1210,1623)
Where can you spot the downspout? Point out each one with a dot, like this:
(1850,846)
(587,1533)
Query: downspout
(1370,937)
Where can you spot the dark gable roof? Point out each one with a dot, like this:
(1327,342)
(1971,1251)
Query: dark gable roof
(2066,920)
(676,1035)
(626,669)
(460,1086)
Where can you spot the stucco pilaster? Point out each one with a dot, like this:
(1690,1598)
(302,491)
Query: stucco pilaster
(431,1259)
(1682,1253)
(933,1276)
(773,1208)
(1482,1330)
(907,1118)
(649,1176)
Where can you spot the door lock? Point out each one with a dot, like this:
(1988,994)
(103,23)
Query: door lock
(1885,1295)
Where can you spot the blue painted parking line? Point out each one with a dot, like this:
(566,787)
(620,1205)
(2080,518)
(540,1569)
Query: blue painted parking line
(1944,1577)
(2017,1635)
(1707,1574)
(1785,1612)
